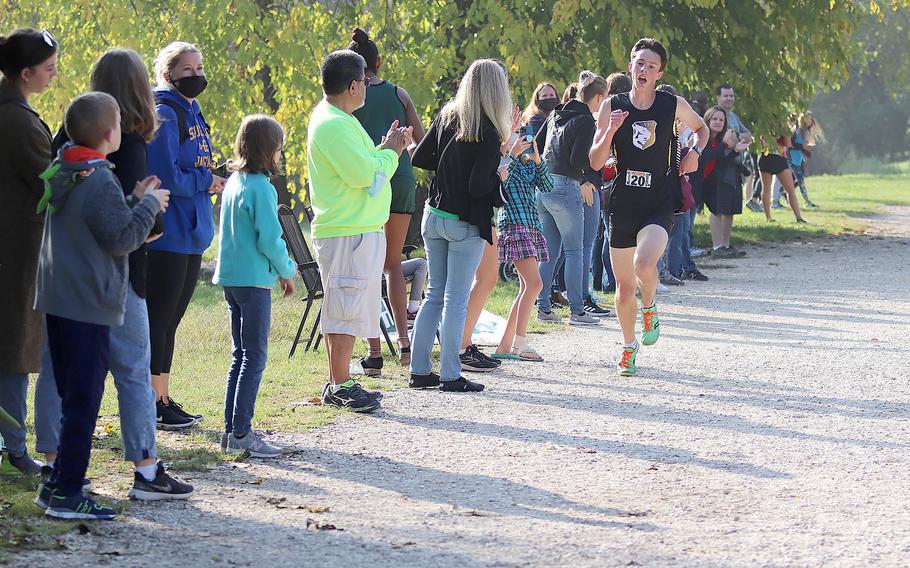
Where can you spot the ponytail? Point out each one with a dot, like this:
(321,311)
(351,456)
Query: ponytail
(590,85)
(366,48)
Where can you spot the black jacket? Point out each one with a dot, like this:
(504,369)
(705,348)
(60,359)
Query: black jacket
(130,166)
(567,138)
(466,183)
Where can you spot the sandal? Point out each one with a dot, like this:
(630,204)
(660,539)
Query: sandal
(404,356)
(526,353)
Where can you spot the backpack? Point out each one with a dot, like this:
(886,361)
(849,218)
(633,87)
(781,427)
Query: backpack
(181,117)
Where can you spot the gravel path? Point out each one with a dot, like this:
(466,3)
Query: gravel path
(769,427)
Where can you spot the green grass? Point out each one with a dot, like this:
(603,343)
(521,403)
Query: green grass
(846,204)
(290,387)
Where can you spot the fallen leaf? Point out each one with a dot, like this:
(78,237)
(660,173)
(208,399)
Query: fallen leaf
(652,468)
(312,525)
(586,450)
(275,501)
(313,509)
(472,513)
(83,528)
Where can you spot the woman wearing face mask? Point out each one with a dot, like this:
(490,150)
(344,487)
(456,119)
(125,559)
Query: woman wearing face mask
(543,101)
(181,156)
(28,62)
(570,212)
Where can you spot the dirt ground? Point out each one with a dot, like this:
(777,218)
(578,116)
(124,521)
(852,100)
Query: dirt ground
(770,426)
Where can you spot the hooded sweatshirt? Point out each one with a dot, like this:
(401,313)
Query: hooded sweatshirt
(184,169)
(567,138)
(88,232)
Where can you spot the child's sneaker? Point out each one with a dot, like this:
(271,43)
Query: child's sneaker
(162,488)
(372,366)
(626,366)
(254,444)
(650,325)
(46,488)
(78,507)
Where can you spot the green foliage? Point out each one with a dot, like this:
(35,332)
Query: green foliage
(263,55)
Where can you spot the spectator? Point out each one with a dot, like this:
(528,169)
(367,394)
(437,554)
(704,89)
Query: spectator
(800,151)
(717,167)
(726,99)
(122,74)
(415,270)
(604,280)
(675,239)
(569,213)
(386,103)
(463,148)
(351,196)
(28,62)
(543,101)
(251,257)
(774,164)
(82,284)
(180,155)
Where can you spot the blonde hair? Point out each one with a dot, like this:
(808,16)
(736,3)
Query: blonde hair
(169,57)
(258,140)
(484,90)
(813,133)
(590,85)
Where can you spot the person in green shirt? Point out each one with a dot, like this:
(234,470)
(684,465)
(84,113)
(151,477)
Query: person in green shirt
(351,195)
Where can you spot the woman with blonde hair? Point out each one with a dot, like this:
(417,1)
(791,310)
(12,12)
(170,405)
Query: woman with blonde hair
(181,156)
(462,147)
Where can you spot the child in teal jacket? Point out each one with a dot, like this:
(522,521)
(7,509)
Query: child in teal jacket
(252,257)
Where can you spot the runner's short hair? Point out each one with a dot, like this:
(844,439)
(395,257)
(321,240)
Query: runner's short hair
(651,44)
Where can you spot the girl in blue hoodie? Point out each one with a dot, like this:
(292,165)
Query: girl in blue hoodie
(181,157)
(252,256)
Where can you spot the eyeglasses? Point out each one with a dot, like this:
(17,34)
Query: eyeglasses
(365,81)
(48,38)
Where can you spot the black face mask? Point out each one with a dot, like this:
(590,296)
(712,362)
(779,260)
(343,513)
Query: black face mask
(192,86)
(547,105)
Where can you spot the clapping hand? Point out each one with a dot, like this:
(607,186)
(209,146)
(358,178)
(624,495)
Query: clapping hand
(516,118)
(396,138)
(730,138)
(151,182)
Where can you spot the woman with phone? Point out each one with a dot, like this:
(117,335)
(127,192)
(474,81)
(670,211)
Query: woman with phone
(567,141)
(180,155)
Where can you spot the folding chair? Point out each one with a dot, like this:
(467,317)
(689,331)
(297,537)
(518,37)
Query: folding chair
(309,272)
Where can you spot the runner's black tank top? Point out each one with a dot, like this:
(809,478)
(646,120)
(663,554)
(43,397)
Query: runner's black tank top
(643,150)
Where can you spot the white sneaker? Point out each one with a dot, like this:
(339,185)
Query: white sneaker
(254,444)
(661,289)
(583,319)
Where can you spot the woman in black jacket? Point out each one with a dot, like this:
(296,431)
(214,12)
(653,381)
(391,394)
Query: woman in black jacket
(463,148)
(567,137)
(717,167)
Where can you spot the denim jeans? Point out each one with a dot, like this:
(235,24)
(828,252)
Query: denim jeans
(250,311)
(679,258)
(562,216)
(454,249)
(13,393)
(129,362)
(591,224)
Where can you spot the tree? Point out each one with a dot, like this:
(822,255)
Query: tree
(263,55)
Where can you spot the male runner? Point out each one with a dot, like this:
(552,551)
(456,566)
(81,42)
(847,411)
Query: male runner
(638,128)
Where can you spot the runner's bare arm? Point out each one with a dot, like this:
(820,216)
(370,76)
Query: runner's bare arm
(607,125)
(411,119)
(691,119)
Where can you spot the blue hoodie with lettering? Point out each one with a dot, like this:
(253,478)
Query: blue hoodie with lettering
(184,169)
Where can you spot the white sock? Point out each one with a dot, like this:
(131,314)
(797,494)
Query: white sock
(631,345)
(148,471)
(413,306)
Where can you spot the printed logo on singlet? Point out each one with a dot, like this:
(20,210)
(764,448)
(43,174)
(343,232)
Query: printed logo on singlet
(644,133)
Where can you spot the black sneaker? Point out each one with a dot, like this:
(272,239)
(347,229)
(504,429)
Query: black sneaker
(476,362)
(169,418)
(78,507)
(460,384)
(162,488)
(483,355)
(372,366)
(423,381)
(593,309)
(46,488)
(179,409)
(694,274)
(353,398)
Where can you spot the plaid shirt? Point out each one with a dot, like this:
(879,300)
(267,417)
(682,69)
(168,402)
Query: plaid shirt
(519,192)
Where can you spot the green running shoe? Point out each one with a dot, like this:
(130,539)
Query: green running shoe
(650,325)
(626,366)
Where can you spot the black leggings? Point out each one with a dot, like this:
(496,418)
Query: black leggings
(171,281)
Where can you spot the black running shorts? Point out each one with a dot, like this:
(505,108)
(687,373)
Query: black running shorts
(624,227)
(772,164)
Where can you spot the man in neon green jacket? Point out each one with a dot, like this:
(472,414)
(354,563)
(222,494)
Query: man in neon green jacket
(350,194)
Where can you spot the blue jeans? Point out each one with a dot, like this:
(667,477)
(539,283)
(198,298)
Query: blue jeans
(129,361)
(454,249)
(250,311)
(13,392)
(592,221)
(678,255)
(562,216)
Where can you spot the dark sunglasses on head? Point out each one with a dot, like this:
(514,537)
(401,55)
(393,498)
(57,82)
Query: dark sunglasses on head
(48,38)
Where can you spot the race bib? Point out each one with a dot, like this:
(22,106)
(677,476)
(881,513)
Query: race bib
(638,179)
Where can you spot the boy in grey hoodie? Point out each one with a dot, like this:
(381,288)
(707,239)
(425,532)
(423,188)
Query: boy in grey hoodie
(82,277)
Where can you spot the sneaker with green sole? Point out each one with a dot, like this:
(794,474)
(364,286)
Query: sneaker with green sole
(626,366)
(650,325)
